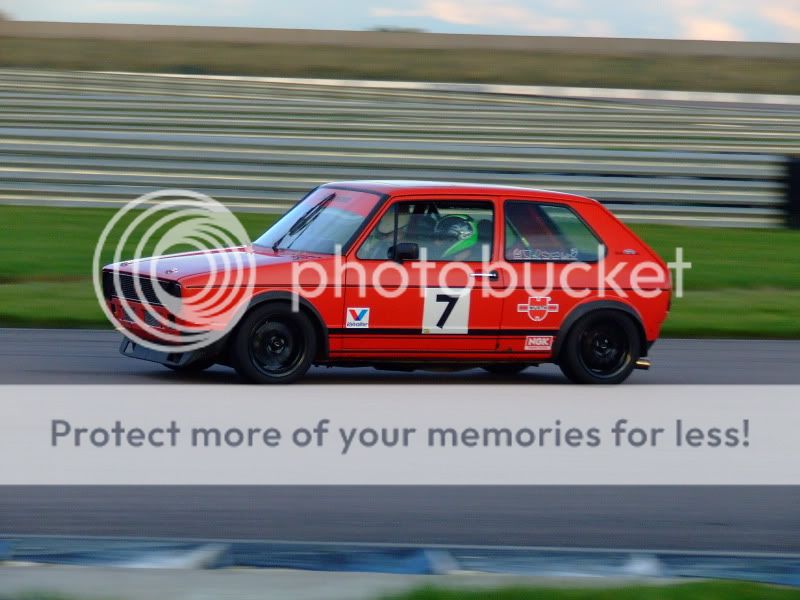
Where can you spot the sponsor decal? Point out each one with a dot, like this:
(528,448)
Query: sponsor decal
(357,318)
(539,343)
(538,307)
(446,311)
(539,254)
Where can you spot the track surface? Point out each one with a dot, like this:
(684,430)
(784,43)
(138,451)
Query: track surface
(698,518)
(82,356)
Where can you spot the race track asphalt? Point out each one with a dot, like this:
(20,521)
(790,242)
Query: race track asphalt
(675,518)
(61,356)
(669,517)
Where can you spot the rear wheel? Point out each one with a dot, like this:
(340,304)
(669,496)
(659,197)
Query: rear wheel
(273,344)
(506,370)
(601,347)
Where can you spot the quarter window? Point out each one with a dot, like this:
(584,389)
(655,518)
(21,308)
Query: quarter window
(548,233)
(444,230)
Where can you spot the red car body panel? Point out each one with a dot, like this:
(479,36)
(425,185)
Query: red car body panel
(498,329)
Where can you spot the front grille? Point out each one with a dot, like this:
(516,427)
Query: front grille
(127,288)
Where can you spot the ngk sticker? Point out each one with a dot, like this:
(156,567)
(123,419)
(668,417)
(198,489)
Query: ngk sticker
(539,343)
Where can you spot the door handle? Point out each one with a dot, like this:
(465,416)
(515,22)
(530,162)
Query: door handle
(491,275)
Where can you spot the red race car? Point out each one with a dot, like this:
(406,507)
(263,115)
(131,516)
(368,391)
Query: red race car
(406,275)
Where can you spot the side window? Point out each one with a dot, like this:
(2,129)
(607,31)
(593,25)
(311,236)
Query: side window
(548,232)
(444,230)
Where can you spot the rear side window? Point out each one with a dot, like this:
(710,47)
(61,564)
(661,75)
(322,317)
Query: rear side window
(548,232)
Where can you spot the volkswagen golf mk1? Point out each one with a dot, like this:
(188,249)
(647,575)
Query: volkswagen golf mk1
(408,275)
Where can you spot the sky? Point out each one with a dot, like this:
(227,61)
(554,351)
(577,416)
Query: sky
(749,20)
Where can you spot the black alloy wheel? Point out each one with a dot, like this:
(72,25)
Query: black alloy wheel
(273,344)
(602,347)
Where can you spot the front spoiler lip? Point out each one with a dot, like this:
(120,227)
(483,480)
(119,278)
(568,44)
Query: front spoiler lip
(131,349)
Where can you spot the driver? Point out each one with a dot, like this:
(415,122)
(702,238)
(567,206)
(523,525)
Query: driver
(457,235)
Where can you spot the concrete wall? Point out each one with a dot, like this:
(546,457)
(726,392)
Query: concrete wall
(372,39)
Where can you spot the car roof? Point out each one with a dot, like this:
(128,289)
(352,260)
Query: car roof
(408,186)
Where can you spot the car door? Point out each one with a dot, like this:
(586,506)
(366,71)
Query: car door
(435,306)
(546,244)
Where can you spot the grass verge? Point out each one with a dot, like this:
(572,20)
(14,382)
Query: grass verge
(743,283)
(463,65)
(713,590)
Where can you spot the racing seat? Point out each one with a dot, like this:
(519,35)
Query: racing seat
(485,234)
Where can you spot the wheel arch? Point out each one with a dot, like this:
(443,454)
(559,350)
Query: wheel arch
(280,296)
(582,310)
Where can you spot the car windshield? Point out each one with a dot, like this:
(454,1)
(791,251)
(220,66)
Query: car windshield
(325,219)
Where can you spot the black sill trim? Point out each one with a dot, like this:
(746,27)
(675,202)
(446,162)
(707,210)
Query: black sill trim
(414,331)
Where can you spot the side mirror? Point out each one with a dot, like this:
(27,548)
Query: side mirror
(404,251)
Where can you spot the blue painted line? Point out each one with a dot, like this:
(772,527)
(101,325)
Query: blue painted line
(87,552)
(403,559)
(5,550)
(767,569)
(409,561)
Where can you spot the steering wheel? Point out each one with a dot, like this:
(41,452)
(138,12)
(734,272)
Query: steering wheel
(454,227)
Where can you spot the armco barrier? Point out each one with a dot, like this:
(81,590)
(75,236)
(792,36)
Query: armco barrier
(783,569)
(77,138)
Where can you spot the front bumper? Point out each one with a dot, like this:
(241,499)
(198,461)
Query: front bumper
(174,359)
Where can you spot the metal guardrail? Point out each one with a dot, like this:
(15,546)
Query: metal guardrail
(104,138)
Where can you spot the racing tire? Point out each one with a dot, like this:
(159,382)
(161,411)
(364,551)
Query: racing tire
(505,370)
(196,366)
(601,348)
(273,344)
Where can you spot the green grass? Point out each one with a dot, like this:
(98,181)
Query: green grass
(735,313)
(463,65)
(712,590)
(36,596)
(57,244)
(690,591)
(67,304)
(730,258)
(743,283)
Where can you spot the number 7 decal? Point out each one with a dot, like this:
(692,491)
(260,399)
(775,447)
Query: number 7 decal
(446,311)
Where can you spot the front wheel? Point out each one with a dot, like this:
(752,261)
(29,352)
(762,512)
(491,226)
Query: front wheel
(601,347)
(273,344)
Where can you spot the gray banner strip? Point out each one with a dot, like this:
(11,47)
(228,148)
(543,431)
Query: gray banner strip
(391,434)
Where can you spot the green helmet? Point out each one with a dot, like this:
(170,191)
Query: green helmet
(461,229)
